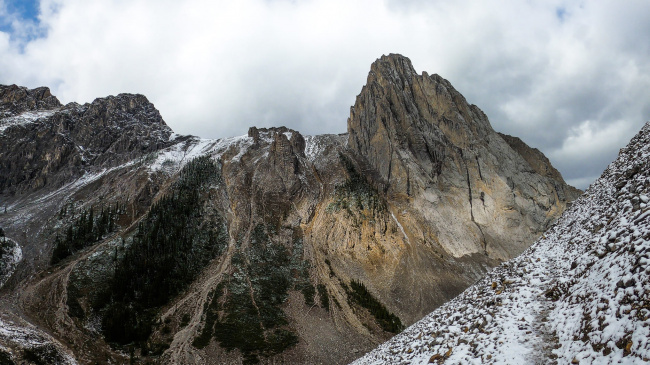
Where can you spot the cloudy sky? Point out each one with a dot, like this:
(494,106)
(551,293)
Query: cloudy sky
(571,78)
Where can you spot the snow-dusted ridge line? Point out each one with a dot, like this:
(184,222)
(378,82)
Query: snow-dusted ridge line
(85,179)
(66,190)
(25,118)
(316,145)
(312,147)
(580,294)
(174,157)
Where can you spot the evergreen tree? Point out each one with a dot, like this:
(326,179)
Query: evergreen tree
(169,248)
(82,233)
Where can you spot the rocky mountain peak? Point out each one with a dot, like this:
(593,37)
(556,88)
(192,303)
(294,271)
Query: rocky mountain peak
(424,97)
(17,99)
(396,67)
(420,115)
(427,143)
(51,144)
(125,108)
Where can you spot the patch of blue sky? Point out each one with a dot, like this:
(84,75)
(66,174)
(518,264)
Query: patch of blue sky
(561,13)
(19,18)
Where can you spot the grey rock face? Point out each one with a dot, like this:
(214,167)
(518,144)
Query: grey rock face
(433,149)
(17,99)
(542,166)
(46,144)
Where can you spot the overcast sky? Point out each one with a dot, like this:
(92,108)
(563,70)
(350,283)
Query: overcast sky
(571,78)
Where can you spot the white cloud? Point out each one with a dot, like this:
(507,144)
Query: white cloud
(588,143)
(214,68)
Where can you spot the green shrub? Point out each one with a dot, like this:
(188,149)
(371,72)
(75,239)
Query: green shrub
(358,293)
(5,358)
(324,298)
(158,349)
(245,311)
(43,355)
(185,320)
(308,293)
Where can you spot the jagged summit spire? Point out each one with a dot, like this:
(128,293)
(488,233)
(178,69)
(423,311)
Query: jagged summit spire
(394,64)
(420,113)
(417,132)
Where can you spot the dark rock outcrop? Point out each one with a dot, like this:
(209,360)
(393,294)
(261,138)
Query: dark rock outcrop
(18,99)
(49,145)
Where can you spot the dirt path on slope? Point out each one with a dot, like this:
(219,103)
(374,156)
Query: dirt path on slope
(181,350)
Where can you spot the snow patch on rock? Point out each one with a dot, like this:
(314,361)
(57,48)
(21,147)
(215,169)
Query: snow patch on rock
(23,336)
(25,118)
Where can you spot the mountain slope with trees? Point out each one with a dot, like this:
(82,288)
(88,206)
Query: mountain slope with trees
(142,245)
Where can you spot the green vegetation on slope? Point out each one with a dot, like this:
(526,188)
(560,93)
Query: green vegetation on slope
(358,198)
(84,231)
(324,297)
(171,245)
(245,311)
(358,293)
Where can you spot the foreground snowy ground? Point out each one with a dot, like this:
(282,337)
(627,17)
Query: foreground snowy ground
(579,295)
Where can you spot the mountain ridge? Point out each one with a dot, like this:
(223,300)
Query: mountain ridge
(360,236)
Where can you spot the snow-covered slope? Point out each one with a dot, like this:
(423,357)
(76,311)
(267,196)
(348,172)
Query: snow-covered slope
(579,295)
(36,346)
